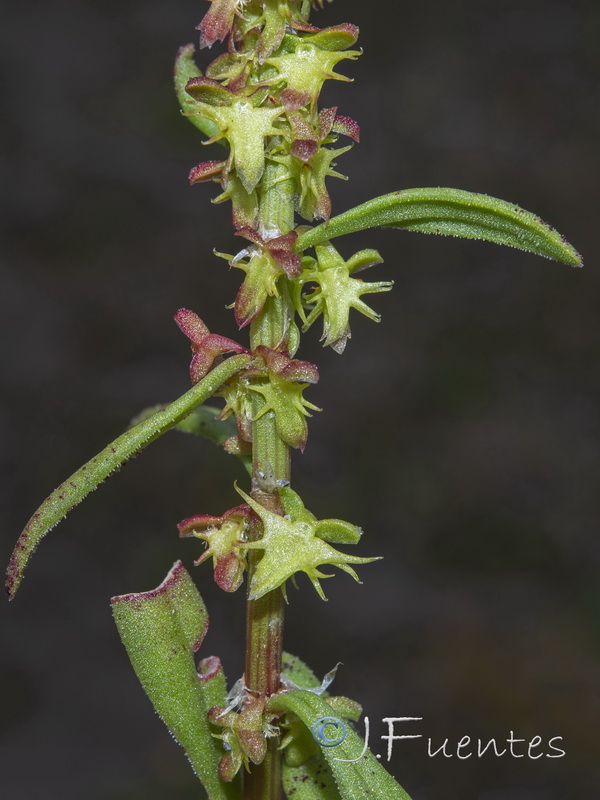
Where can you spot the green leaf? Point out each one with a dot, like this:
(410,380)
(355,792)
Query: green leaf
(185,68)
(87,478)
(204,422)
(449,212)
(298,672)
(310,781)
(355,780)
(161,629)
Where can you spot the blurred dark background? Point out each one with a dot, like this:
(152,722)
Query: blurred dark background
(462,433)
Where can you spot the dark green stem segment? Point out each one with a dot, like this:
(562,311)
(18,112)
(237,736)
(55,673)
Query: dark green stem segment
(277,199)
(270,469)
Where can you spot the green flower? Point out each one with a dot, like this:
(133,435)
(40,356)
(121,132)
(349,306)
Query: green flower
(241,120)
(306,69)
(296,543)
(337,292)
(283,390)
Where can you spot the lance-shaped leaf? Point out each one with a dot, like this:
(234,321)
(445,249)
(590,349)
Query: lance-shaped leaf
(87,478)
(298,744)
(338,37)
(355,779)
(206,422)
(450,212)
(161,629)
(274,17)
(296,671)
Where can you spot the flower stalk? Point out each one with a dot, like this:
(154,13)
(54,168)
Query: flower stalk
(260,100)
(271,468)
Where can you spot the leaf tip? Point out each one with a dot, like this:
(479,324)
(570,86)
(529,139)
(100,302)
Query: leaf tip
(19,559)
(177,573)
(575,258)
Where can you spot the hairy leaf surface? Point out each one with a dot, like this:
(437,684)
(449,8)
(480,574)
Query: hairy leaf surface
(203,422)
(72,491)
(355,780)
(161,629)
(313,779)
(310,781)
(450,212)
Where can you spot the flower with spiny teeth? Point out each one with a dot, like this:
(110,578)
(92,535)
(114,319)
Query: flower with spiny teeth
(287,378)
(337,292)
(294,544)
(225,537)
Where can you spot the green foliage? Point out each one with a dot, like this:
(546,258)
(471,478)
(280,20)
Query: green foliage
(310,781)
(260,99)
(356,774)
(449,212)
(76,488)
(161,629)
(205,422)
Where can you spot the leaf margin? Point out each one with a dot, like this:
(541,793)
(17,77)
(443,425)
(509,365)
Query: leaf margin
(416,209)
(355,778)
(77,486)
(160,630)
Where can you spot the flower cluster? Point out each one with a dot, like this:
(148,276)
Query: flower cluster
(295,542)
(280,379)
(244,735)
(225,537)
(261,99)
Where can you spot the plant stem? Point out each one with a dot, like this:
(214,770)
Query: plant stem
(270,467)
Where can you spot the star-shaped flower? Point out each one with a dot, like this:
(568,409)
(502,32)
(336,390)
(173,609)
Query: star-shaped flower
(283,393)
(295,545)
(241,120)
(337,292)
(309,161)
(306,69)
(264,262)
